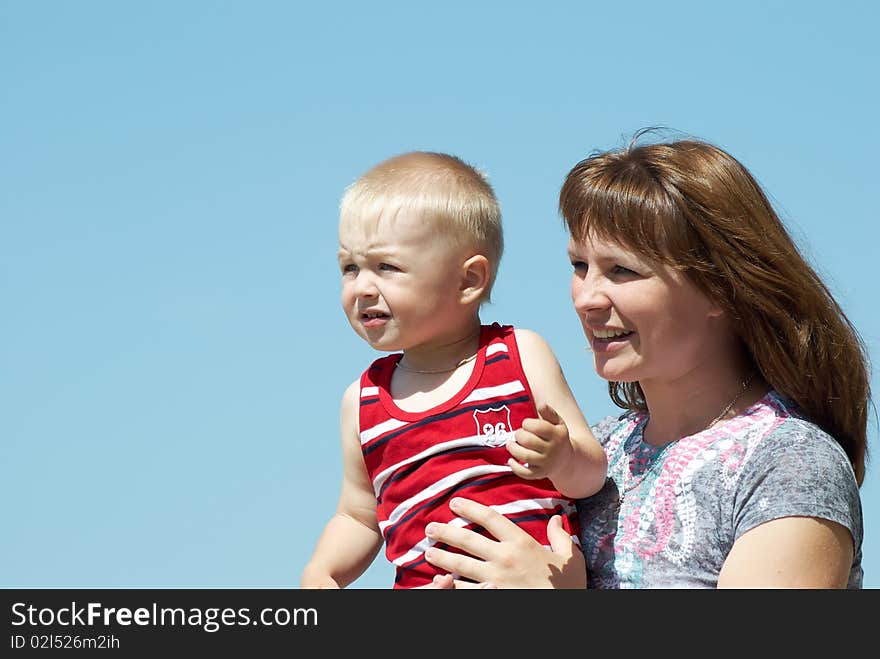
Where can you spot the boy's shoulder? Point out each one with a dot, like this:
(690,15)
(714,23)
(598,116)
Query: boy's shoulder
(370,377)
(521,339)
(535,353)
(379,364)
(528,334)
(499,330)
(351,396)
(529,340)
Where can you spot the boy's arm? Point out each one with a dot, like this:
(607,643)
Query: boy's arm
(561,444)
(351,538)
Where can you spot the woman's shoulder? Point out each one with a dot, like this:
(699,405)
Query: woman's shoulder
(785,449)
(789,430)
(789,466)
(615,425)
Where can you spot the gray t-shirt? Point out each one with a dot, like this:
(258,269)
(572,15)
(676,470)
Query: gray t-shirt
(686,504)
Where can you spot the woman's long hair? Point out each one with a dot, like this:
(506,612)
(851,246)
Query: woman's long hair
(694,207)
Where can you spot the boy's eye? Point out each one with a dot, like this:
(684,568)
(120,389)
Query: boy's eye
(388,267)
(349,267)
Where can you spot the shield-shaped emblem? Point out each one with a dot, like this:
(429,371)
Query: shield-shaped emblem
(493,424)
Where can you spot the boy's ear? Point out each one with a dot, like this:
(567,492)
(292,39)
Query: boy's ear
(476,272)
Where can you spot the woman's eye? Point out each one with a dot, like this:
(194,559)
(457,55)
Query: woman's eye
(579,266)
(621,270)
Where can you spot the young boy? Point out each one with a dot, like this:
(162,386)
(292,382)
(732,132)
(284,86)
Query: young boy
(459,408)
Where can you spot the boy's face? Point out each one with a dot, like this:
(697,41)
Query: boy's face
(400,282)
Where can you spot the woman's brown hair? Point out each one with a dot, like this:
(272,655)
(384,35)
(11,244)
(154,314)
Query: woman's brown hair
(694,207)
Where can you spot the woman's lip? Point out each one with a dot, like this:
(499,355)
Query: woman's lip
(610,344)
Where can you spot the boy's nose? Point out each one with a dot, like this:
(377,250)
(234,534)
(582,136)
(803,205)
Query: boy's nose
(365,285)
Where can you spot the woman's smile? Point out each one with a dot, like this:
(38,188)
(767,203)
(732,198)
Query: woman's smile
(610,340)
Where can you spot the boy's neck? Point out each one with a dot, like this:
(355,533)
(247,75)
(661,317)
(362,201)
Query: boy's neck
(446,354)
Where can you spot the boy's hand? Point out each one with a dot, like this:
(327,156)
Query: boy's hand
(542,447)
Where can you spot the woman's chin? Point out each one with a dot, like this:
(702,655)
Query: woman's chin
(612,374)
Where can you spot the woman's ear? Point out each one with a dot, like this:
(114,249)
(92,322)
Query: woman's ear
(715,311)
(475,275)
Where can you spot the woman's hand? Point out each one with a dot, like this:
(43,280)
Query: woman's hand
(514,560)
(446,582)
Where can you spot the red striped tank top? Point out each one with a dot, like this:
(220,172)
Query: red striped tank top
(418,461)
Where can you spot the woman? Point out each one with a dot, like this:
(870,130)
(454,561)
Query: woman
(739,459)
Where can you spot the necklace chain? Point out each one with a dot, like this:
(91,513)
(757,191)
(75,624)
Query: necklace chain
(745,385)
(656,460)
(441,370)
(461,363)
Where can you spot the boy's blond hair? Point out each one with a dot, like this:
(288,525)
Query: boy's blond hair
(443,189)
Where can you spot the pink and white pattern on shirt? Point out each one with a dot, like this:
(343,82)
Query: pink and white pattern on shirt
(659,514)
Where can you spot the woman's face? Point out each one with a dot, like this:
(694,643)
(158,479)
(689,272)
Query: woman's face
(644,320)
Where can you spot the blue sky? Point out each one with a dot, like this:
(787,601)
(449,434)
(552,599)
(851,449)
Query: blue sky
(172,346)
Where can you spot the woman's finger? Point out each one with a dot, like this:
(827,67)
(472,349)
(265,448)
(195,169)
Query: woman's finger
(573,572)
(469,585)
(439,582)
(465,539)
(494,522)
(447,582)
(560,541)
(459,564)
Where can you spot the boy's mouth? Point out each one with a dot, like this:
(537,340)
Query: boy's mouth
(374,318)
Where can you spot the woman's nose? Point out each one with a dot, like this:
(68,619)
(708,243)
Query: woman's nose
(588,294)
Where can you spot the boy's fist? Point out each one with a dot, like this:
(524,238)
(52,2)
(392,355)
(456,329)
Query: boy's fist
(541,447)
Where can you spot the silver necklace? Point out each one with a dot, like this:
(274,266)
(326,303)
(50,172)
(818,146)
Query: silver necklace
(656,460)
(442,370)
